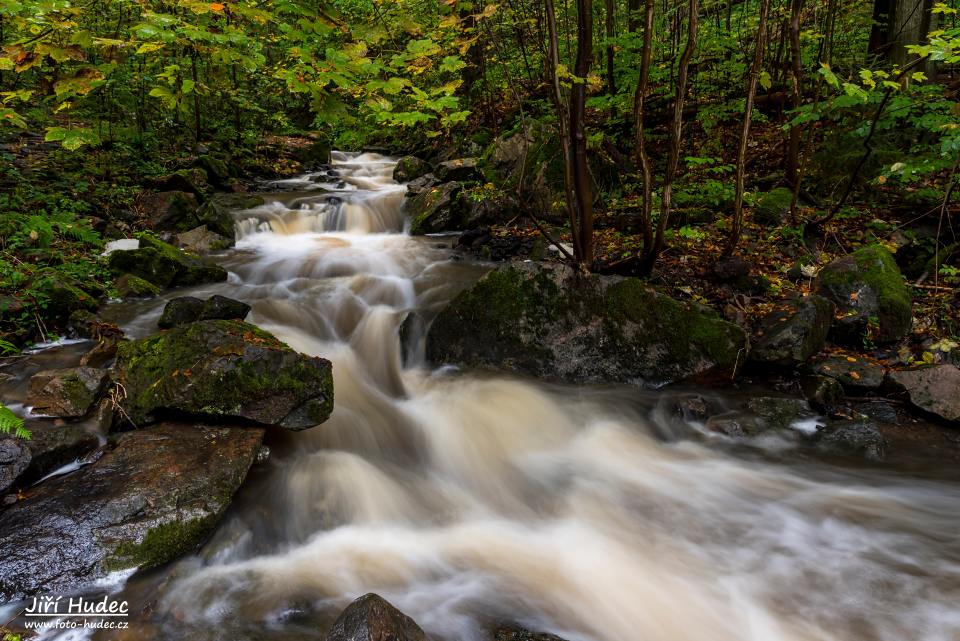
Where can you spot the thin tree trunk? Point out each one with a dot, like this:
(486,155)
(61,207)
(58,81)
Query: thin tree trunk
(582,186)
(676,131)
(611,33)
(553,60)
(737,226)
(639,109)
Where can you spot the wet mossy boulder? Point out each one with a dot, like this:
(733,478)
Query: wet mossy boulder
(217,170)
(155,495)
(130,286)
(410,168)
(217,213)
(67,393)
(170,210)
(773,207)
(435,210)
(164,265)
(459,170)
(794,331)
(544,321)
(189,309)
(373,618)
(871,294)
(224,370)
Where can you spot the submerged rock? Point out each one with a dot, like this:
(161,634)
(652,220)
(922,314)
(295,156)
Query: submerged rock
(221,369)
(373,618)
(546,322)
(164,265)
(152,498)
(869,290)
(508,633)
(67,393)
(779,412)
(188,309)
(794,331)
(932,389)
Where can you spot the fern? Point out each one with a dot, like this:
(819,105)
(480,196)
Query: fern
(10,422)
(6,347)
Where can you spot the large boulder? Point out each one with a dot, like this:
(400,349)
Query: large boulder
(188,309)
(794,331)
(869,290)
(61,294)
(67,393)
(547,322)
(373,618)
(224,370)
(217,212)
(932,389)
(170,210)
(164,265)
(14,460)
(153,497)
(201,240)
(435,210)
(130,286)
(410,168)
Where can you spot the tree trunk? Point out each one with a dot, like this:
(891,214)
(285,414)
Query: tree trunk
(911,21)
(735,230)
(639,111)
(880,29)
(676,131)
(582,186)
(611,33)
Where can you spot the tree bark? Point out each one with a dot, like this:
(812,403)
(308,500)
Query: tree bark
(640,145)
(758,50)
(611,33)
(582,186)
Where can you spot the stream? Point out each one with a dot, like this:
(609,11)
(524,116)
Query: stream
(467,499)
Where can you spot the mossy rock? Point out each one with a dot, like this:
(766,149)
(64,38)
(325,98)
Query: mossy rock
(164,265)
(435,210)
(773,207)
(217,170)
(217,212)
(870,293)
(130,286)
(224,370)
(154,495)
(544,321)
(410,168)
(794,331)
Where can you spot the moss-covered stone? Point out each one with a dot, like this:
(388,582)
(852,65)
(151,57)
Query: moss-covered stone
(794,331)
(871,294)
(410,168)
(162,544)
(217,213)
(549,323)
(67,392)
(773,207)
(223,369)
(435,210)
(164,265)
(130,286)
(60,296)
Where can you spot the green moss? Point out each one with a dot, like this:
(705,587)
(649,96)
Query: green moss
(164,265)
(161,544)
(772,207)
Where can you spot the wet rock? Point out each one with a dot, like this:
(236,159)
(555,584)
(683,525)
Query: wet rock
(693,407)
(187,309)
(861,438)
(421,184)
(153,497)
(773,208)
(434,210)
(164,265)
(372,618)
(52,446)
(857,374)
(543,321)
(779,412)
(130,286)
(869,290)
(221,369)
(932,389)
(170,210)
(101,354)
(66,393)
(459,170)
(218,171)
(509,633)
(15,458)
(217,213)
(410,168)
(794,331)
(879,411)
(823,392)
(481,207)
(201,240)
(735,427)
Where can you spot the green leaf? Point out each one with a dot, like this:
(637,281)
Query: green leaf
(765,81)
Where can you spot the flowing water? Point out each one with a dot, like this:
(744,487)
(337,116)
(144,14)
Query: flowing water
(470,500)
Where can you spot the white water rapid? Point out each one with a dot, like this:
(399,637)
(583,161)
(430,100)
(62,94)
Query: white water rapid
(469,500)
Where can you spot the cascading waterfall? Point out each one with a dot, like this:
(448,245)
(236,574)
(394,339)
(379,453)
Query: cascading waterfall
(467,500)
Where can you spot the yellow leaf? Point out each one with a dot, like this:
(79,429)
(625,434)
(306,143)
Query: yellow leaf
(216,6)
